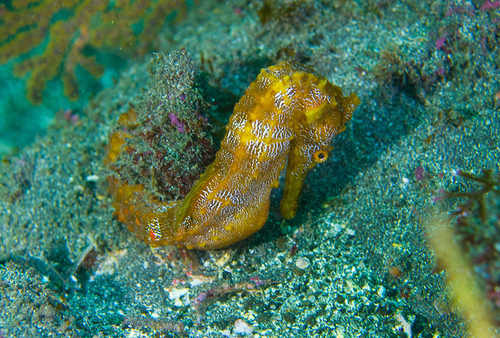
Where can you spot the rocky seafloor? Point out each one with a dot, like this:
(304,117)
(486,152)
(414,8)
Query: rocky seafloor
(356,261)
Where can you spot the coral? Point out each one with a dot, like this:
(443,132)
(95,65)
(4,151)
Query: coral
(70,30)
(466,293)
(476,199)
(476,226)
(288,113)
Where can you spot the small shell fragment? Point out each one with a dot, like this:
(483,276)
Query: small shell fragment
(302,263)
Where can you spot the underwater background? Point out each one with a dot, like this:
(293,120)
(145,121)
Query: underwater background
(397,234)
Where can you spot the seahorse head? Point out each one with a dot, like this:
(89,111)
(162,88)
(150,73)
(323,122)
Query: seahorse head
(323,114)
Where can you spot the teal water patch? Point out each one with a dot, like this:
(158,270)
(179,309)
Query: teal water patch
(21,122)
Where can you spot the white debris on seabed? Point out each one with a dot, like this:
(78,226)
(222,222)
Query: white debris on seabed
(241,327)
(176,295)
(196,280)
(302,263)
(110,263)
(135,334)
(404,325)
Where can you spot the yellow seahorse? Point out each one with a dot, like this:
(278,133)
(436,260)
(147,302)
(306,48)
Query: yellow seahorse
(289,114)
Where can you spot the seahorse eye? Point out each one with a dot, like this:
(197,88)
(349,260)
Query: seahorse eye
(320,156)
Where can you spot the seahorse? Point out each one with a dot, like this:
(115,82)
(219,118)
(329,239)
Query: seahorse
(287,117)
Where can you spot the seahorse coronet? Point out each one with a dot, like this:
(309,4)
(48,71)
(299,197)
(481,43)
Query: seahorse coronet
(287,118)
